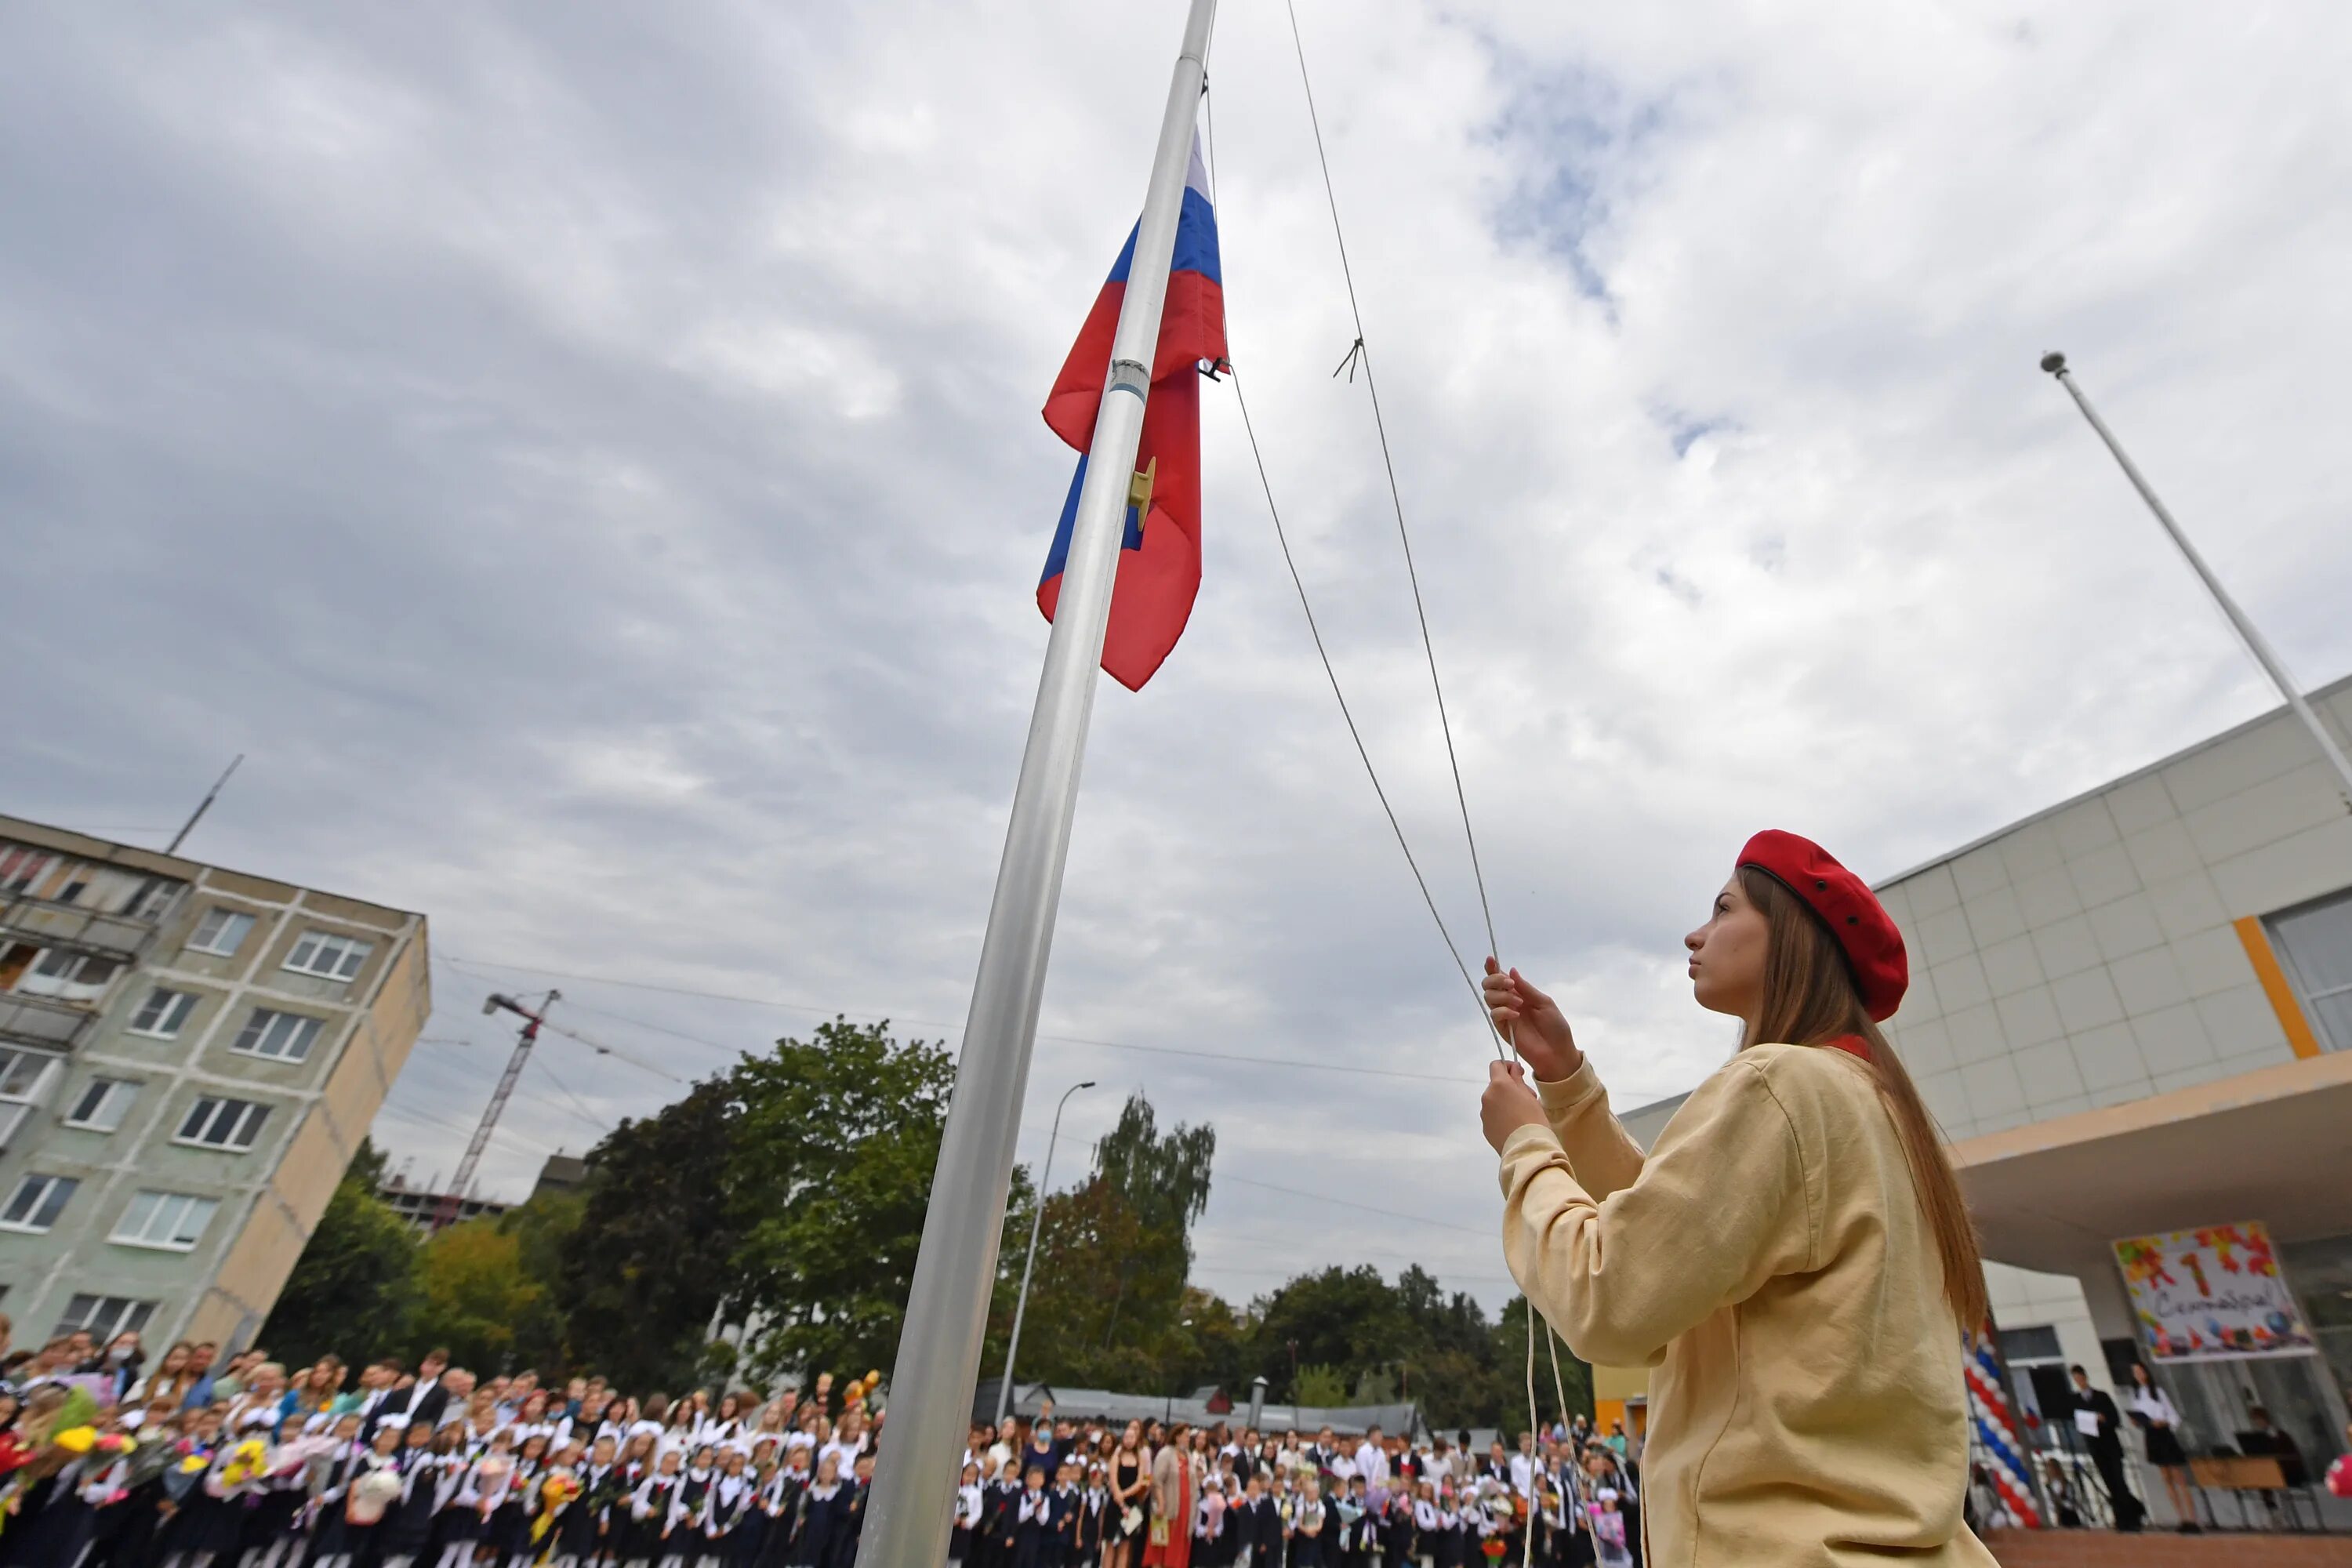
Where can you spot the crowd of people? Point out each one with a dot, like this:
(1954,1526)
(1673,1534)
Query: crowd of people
(198,1463)
(1057,1493)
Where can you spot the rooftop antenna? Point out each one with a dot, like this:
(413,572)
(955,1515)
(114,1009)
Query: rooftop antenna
(203,805)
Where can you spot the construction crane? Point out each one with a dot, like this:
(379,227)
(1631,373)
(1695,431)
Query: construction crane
(525,1038)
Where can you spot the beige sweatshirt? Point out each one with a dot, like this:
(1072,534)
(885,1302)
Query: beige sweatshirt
(1768,1259)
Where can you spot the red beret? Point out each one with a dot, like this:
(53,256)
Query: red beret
(1874,948)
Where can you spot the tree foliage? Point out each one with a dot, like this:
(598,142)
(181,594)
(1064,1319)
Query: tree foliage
(644,1268)
(829,1179)
(474,1297)
(353,1287)
(1109,1305)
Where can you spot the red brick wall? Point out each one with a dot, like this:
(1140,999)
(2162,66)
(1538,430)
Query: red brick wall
(2164,1549)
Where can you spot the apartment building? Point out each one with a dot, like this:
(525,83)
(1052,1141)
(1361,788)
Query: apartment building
(189,1057)
(2132,1014)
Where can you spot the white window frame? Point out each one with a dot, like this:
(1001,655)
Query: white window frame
(175,1209)
(58,971)
(2312,992)
(170,1016)
(302,1025)
(349,956)
(220,919)
(22,866)
(106,1316)
(46,1062)
(49,1183)
(240,1120)
(115,1095)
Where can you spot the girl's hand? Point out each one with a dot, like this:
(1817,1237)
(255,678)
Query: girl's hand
(1533,1023)
(1508,1103)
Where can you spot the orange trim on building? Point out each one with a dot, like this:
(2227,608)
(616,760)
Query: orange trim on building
(2274,986)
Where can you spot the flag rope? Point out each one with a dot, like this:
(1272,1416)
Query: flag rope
(1315,632)
(1359,356)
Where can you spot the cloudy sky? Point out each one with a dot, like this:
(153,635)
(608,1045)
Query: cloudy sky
(587,458)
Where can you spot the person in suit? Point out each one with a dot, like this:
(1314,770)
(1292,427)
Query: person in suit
(2102,1435)
(421,1402)
(1034,1544)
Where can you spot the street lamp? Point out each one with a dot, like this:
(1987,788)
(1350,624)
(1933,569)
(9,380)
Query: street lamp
(1021,1305)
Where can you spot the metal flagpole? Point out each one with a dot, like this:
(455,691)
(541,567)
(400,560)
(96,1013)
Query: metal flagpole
(912,1505)
(2055,364)
(1037,1223)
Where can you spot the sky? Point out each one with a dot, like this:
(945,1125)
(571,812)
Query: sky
(587,458)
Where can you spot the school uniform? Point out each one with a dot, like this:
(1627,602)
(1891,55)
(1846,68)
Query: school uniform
(732,1497)
(852,1528)
(1359,1534)
(582,1528)
(646,1538)
(507,1533)
(1094,1518)
(1259,1542)
(406,1532)
(1310,1538)
(1397,1533)
(1032,1531)
(781,1499)
(687,1509)
(54,1520)
(822,1511)
(331,1480)
(967,1521)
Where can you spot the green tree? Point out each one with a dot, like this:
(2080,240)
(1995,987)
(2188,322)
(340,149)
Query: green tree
(1320,1385)
(643,1264)
(542,1228)
(1575,1376)
(475,1298)
(831,1174)
(352,1289)
(1111,1295)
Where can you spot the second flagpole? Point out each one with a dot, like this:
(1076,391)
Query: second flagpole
(2273,666)
(916,1473)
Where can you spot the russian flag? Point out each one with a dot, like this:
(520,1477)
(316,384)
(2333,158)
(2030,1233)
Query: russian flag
(1160,565)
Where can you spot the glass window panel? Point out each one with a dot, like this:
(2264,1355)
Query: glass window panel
(104,1104)
(221,931)
(20,1072)
(2319,941)
(38,1201)
(138,1214)
(2336,1019)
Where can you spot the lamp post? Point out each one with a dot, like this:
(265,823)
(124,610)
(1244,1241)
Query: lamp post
(1036,1220)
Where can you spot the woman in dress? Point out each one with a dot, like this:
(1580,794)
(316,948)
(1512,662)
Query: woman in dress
(1131,1488)
(1800,1204)
(1173,1488)
(2154,1410)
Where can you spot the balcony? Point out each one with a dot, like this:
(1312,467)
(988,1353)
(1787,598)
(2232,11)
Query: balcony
(39,920)
(42,1021)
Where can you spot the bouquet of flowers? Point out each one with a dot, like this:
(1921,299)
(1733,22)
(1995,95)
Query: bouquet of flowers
(555,1491)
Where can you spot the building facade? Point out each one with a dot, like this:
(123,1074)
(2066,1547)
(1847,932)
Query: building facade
(2132,1014)
(189,1057)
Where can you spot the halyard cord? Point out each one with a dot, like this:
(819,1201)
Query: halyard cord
(1330,674)
(1357,353)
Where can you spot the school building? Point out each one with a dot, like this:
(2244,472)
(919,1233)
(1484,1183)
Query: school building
(2132,1014)
(189,1057)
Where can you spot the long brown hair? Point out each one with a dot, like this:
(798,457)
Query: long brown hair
(1808,999)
